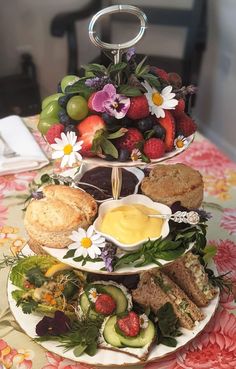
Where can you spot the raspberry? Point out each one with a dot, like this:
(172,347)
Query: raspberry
(130,324)
(130,139)
(169,124)
(185,125)
(105,304)
(54,131)
(154,148)
(138,107)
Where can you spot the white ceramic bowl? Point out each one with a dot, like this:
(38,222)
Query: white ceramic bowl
(132,199)
(139,174)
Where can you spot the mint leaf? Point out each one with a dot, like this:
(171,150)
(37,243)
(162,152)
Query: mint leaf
(97,69)
(116,68)
(152,80)
(69,254)
(109,148)
(129,91)
(117,134)
(79,349)
(140,69)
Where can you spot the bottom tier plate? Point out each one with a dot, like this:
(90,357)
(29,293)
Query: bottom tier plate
(106,357)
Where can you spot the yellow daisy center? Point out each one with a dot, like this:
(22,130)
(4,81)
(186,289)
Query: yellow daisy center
(134,157)
(86,242)
(94,294)
(157,98)
(179,144)
(68,149)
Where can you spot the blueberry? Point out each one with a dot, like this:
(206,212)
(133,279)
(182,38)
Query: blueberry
(64,118)
(123,155)
(63,100)
(159,131)
(112,124)
(145,124)
(127,122)
(109,158)
(70,128)
(108,119)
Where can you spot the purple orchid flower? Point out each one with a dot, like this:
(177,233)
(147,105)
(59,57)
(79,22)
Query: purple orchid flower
(107,100)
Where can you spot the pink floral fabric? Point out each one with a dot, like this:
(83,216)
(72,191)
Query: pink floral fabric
(16,182)
(57,362)
(228,221)
(15,359)
(225,258)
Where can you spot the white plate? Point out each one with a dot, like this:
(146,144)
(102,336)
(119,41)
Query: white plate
(28,323)
(96,267)
(101,162)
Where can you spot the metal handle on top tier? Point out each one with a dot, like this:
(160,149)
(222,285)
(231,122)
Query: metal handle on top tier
(116,51)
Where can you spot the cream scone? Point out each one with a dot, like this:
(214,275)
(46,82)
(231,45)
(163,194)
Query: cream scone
(174,182)
(50,220)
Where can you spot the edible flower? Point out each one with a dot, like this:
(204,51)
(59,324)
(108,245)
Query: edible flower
(67,148)
(107,100)
(143,321)
(55,326)
(93,295)
(135,155)
(87,243)
(158,101)
(108,256)
(180,142)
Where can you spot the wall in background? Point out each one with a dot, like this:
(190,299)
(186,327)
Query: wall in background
(216,102)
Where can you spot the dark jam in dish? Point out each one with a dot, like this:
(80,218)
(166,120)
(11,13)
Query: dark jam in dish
(101,177)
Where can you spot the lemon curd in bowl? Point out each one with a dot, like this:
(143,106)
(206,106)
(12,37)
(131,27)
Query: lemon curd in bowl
(126,222)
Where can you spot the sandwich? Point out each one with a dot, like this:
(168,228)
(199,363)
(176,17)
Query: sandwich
(155,289)
(190,275)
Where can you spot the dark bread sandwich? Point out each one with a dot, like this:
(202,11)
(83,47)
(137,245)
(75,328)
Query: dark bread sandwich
(191,277)
(156,289)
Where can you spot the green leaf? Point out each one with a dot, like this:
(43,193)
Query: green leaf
(28,306)
(97,69)
(145,159)
(139,69)
(129,91)
(69,254)
(168,341)
(210,251)
(109,148)
(117,134)
(36,276)
(78,259)
(79,349)
(170,254)
(152,80)
(91,349)
(127,259)
(168,322)
(116,68)
(80,88)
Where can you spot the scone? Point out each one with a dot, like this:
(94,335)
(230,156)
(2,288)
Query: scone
(50,220)
(174,182)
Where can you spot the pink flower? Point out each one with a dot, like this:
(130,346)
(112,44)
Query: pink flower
(228,220)
(107,100)
(57,362)
(16,182)
(12,358)
(42,142)
(227,301)
(225,258)
(3,212)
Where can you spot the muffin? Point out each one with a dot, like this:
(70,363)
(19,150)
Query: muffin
(174,182)
(50,220)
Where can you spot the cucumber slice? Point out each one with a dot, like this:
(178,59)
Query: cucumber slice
(145,337)
(85,306)
(118,296)
(110,334)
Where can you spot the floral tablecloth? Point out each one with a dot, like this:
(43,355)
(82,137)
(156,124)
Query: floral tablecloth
(214,348)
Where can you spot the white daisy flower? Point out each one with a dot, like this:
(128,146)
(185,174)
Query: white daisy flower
(87,243)
(143,320)
(93,295)
(67,148)
(135,154)
(159,101)
(180,142)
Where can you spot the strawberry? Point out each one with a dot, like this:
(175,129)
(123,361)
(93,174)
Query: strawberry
(90,102)
(54,131)
(138,107)
(105,304)
(154,148)
(175,80)
(90,129)
(129,140)
(159,73)
(130,324)
(169,124)
(179,108)
(185,125)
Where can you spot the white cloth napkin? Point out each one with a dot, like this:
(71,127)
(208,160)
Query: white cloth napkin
(18,137)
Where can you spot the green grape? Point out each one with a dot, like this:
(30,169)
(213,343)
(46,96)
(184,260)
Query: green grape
(77,108)
(68,81)
(50,98)
(45,123)
(51,110)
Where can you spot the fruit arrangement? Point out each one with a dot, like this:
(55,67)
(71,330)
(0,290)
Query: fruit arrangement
(127,111)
